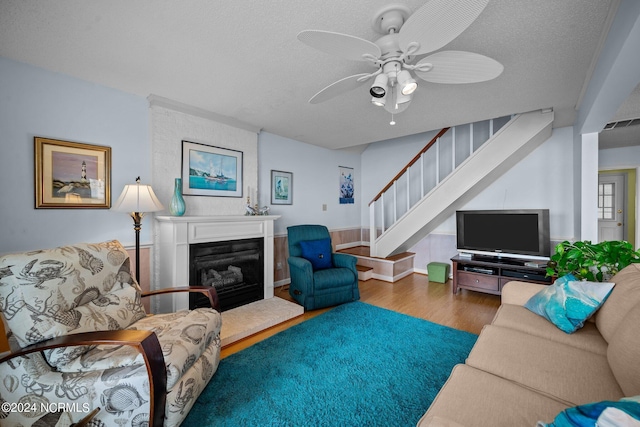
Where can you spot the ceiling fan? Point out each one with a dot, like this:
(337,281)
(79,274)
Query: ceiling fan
(405,37)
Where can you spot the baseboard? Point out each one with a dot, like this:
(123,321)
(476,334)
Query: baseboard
(426,273)
(282,282)
(392,279)
(350,245)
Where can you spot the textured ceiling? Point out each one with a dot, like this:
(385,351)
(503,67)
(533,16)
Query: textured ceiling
(242,59)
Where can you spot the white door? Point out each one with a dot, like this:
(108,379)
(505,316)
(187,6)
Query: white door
(611,207)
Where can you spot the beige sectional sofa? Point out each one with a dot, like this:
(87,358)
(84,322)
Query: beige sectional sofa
(523,369)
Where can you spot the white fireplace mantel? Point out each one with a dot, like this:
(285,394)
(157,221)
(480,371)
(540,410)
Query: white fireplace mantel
(176,233)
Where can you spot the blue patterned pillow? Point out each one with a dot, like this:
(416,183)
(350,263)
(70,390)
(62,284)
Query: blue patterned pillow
(569,302)
(318,252)
(589,415)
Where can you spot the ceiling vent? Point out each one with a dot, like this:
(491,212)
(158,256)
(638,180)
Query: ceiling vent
(622,124)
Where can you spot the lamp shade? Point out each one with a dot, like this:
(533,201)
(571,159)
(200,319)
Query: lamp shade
(137,198)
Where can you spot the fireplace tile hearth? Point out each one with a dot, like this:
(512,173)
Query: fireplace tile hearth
(246,320)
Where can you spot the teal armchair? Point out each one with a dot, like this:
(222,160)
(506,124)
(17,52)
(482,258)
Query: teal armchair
(317,282)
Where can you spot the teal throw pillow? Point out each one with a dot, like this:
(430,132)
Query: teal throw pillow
(568,302)
(318,252)
(591,414)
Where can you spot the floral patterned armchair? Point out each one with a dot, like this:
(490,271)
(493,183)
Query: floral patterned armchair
(80,340)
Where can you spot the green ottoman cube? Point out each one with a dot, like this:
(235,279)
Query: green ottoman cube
(438,272)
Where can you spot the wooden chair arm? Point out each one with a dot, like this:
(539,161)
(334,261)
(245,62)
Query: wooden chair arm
(208,291)
(146,342)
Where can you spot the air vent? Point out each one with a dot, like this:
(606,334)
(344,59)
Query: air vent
(622,124)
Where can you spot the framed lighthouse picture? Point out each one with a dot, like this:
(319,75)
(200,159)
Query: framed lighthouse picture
(72,175)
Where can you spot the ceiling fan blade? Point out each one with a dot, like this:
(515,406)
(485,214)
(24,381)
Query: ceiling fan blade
(339,87)
(343,45)
(455,67)
(438,22)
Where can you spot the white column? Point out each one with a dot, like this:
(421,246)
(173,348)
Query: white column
(589,190)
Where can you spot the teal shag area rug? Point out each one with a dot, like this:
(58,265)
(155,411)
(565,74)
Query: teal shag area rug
(355,365)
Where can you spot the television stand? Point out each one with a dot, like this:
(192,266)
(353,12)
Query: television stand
(489,274)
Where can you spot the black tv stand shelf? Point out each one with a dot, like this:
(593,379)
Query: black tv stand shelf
(489,274)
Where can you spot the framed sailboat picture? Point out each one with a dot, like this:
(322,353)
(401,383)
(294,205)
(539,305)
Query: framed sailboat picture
(211,171)
(281,188)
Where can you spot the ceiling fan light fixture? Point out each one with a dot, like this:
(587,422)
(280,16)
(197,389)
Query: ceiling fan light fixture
(402,98)
(379,102)
(406,82)
(409,88)
(405,36)
(397,102)
(379,86)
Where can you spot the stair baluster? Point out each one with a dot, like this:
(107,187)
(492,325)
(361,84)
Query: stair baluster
(378,222)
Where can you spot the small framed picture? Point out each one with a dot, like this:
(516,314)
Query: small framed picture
(211,171)
(72,175)
(281,188)
(346,185)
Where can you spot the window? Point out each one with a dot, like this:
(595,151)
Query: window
(606,201)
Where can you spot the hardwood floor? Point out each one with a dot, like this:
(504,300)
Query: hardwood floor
(414,295)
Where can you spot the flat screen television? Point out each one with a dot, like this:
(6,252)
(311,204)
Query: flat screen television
(522,233)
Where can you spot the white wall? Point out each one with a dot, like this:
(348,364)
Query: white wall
(36,102)
(619,158)
(315,182)
(542,180)
(169,128)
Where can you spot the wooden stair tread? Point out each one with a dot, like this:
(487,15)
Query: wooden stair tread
(364,251)
(401,255)
(387,269)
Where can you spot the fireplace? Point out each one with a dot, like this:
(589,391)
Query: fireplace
(226,237)
(235,268)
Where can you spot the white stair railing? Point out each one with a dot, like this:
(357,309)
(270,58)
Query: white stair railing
(437,160)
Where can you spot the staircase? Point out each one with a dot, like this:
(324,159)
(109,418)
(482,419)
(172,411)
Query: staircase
(390,269)
(452,169)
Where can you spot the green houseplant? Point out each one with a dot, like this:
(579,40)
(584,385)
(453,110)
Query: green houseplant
(595,262)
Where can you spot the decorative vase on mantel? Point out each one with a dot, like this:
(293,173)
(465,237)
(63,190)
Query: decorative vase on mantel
(177,206)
